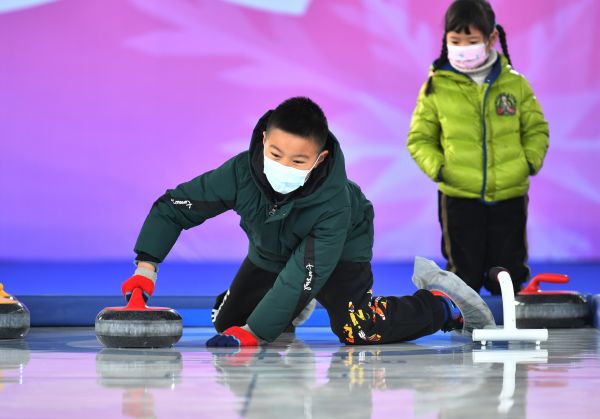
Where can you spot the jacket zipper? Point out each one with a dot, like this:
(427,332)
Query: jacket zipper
(273,210)
(485,95)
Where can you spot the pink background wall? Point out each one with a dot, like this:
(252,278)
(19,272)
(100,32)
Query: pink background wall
(105,104)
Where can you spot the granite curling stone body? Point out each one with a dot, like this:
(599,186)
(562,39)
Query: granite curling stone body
(138,326)
(551,309)
(14,317)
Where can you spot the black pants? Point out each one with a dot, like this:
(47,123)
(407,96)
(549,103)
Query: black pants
(478,236)
(356,317)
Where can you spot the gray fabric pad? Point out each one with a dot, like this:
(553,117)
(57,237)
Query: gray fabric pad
(477,315)
(305,313)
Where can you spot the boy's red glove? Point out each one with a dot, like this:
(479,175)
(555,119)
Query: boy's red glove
(235,336)
(138,281)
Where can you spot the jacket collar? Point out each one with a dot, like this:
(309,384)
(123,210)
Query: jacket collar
(490,79)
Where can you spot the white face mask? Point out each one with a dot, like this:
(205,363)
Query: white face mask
(285,179)
(469,57)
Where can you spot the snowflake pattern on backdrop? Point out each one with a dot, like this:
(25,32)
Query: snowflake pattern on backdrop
(150,93)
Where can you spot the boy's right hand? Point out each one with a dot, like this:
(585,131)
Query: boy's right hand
(138,281)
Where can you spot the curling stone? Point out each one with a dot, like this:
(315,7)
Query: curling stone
(137,325)
(551,309)
(14,317)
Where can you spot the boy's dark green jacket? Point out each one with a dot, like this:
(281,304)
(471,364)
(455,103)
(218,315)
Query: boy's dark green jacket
(302,235)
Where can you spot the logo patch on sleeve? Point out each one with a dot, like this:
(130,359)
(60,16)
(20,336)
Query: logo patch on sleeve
(186,203)
(506,104)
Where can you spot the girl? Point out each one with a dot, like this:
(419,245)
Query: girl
(479,132)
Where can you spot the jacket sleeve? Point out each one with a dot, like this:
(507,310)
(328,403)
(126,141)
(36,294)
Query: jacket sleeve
(305,273)
(186,206)
(534,129)
(424,137)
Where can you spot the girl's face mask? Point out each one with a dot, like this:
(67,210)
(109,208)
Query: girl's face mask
(469,57)
(285,179)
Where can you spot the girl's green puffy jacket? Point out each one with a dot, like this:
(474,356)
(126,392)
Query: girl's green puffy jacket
(479,141)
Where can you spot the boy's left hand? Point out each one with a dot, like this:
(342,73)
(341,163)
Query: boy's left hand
(235,336)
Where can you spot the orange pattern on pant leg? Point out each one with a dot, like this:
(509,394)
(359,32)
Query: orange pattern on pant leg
(360,318)
(349,334)
(378,308)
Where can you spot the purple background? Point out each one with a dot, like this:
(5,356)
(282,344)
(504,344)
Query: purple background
(105,104)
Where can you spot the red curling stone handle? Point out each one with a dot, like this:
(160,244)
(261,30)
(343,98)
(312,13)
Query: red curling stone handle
(136,302)
(534,286)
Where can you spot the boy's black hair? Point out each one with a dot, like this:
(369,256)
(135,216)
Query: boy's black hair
(303,117)
(460,15)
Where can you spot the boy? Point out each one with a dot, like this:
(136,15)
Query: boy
(311,236)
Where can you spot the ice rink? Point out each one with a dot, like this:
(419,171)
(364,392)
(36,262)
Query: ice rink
(65,373)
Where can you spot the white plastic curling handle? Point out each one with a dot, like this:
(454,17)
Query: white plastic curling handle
(508,300)
(509,331)
(507,334)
